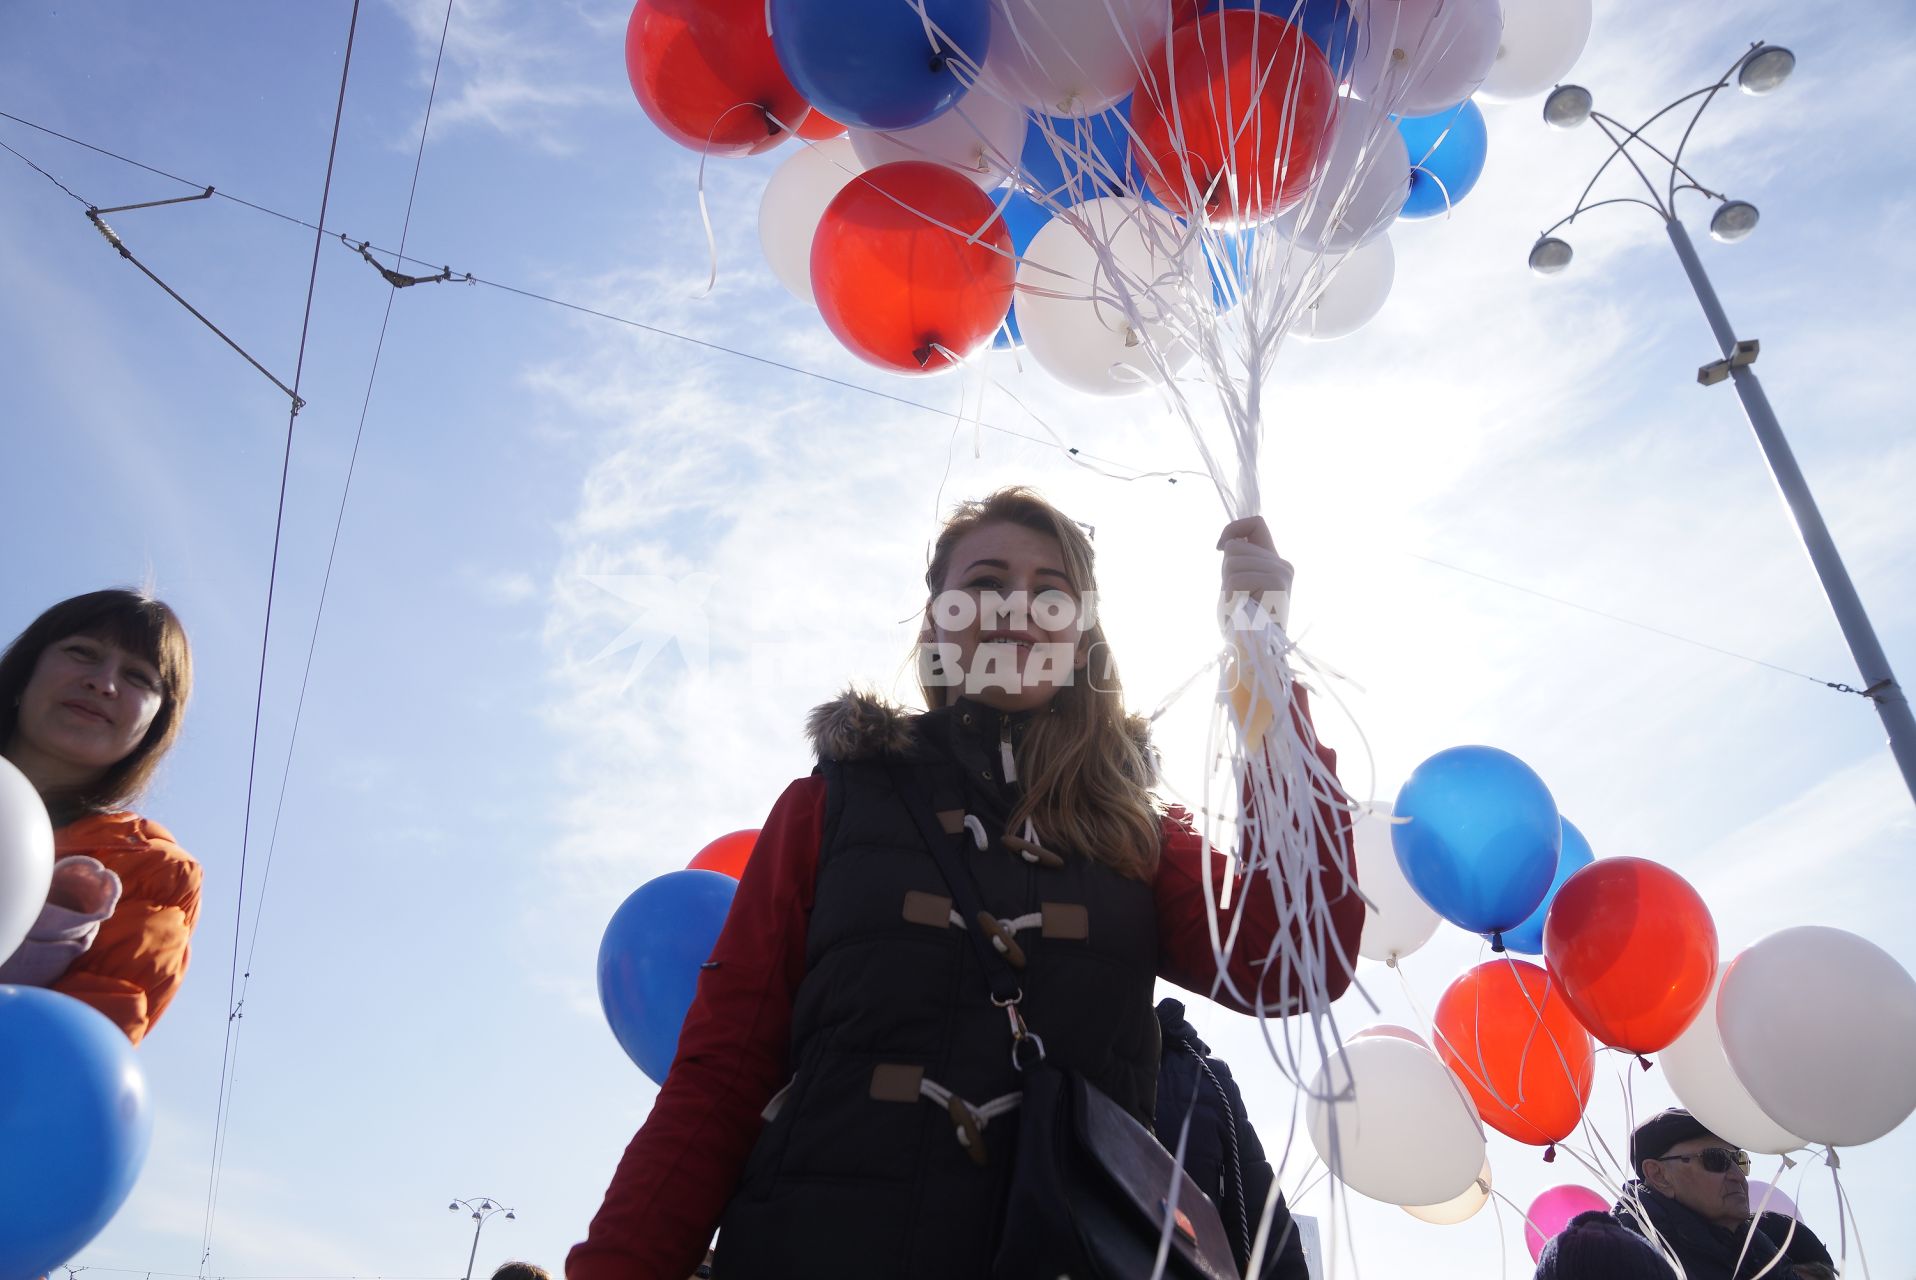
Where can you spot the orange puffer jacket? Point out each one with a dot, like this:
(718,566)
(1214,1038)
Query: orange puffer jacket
(134,967)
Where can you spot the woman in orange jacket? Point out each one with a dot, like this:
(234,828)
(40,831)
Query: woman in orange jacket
(91,697)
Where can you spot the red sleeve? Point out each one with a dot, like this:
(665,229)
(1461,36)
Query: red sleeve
(1184,934)
(681,1168)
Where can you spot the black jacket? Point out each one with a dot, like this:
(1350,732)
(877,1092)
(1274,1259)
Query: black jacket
(1709,1252)
(1221,1152)
(857,1161)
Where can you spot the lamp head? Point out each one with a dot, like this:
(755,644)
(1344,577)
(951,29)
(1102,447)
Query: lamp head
(1549,256)
(1765,68)
(1732,221)
(454,1206)
(511,1216)
(1567,106)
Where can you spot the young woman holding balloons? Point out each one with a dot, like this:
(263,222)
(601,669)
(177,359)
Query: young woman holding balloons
(91,698)
(841,1081)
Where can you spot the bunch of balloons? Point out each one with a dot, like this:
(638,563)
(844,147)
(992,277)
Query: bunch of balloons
(74,1121)
(1803,1038)
(655,944)
(1128,171)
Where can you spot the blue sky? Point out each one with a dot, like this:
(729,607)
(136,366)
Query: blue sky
(475,787)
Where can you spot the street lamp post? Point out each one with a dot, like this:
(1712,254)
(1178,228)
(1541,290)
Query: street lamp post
(1760,69)
(482,1210)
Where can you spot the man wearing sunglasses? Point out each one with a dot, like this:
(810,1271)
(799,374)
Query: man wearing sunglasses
(1692,1193)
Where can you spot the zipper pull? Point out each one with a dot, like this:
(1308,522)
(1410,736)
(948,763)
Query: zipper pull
(1005,762)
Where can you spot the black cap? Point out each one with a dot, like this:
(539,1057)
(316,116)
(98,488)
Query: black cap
(1595,1247)
(1662,1131)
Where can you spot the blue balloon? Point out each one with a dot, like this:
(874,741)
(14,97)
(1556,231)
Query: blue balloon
(74,1127)
(1097,158)
(1231,256)
(1447,153)
(1023,218)
(1527,937)
(1328,24)
(1482,840)
(649,961)
(871,63)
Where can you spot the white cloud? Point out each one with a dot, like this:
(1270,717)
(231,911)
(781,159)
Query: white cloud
(526,73)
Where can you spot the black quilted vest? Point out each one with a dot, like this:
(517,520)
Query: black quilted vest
(858,1174)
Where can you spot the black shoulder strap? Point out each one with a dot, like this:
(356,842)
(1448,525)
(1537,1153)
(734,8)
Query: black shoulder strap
(915,789)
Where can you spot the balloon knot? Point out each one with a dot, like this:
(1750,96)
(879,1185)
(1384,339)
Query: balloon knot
(922,355)
(1833,1162)
(1550,1154)
(771,122)
(1644,1062)
(1497,942)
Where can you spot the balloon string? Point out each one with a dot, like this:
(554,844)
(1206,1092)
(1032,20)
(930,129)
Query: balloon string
(705,154)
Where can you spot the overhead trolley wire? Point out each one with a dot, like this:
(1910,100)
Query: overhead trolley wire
(339,518)
(1073,452)
(769,362)
(228,1053)
(1632,622)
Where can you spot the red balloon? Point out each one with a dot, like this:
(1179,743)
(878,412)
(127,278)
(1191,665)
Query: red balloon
(1236,103)
(898,272)
(1506,1030)
(704,70)
(726,855)
(1634,949)
(818,126)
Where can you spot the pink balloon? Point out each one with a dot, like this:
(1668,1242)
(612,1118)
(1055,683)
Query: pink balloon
(1394,1031)
(1765,1198)
(1551,1212)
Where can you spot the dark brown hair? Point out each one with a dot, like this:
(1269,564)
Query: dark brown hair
(137,623)
(521,1271)
(1089,776)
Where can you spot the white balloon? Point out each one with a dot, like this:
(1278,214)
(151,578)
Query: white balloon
(1542,40)
(1401,1130)
(1459,1208)
(1398,921)
(1699,1074)
(26,857)
(1354,293)
(1820,1026)
(1415,57)
(1092,325)
(1363,176)
(982,135)
(1073,57)
(795,200)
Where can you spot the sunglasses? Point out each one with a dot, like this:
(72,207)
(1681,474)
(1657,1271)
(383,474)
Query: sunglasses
(1717,1159)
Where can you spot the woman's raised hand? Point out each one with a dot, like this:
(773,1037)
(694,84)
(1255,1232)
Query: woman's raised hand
(1256,579)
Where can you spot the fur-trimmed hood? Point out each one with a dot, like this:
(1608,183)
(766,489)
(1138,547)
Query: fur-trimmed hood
(861,724)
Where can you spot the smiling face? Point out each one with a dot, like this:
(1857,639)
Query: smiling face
(1006,626)
(86,707)
(1720,1198)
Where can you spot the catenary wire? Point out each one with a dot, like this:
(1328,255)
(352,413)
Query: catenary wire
(901,400)
(228,1054)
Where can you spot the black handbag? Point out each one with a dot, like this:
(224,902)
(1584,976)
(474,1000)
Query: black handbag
(1091,1188)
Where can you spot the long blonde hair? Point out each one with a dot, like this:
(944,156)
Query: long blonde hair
(1087,775)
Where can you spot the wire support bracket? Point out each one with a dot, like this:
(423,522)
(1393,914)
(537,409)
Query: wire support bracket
(112,237)
(399,279)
